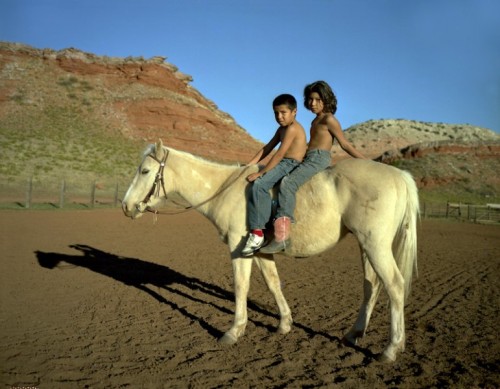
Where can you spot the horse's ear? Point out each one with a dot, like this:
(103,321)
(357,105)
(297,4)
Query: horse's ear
(159,149)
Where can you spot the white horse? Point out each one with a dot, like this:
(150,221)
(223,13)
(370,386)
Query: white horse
(375,202)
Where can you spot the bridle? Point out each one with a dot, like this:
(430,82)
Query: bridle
(159,184)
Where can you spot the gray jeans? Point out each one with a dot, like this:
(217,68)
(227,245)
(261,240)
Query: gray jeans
(260,203)
(314,162)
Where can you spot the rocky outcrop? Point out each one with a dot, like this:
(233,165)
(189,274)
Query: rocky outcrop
(481,150)
(140,98)
(376,137)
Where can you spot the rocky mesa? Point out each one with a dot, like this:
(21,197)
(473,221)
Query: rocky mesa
(140,99)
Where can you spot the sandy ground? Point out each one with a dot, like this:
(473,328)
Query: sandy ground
(93,299)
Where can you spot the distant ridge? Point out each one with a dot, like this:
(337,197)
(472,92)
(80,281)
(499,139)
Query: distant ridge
(376,137)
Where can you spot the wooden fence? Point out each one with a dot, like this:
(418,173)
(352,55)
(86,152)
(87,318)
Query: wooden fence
(111,194)
(65,194)
(489,213)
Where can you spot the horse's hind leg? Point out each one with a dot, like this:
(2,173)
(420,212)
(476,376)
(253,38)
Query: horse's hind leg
(371,291)
(384,265)
(270,274)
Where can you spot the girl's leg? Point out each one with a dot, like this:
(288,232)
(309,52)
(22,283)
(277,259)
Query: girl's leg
(315,162)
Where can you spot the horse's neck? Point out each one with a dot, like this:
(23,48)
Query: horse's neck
(197,180)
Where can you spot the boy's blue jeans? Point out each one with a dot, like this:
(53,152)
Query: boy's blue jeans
(314,162)
(260,202)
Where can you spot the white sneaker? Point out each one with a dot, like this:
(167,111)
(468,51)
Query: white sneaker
(254,242)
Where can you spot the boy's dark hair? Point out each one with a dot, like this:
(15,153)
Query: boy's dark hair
(285,99)
(325,93)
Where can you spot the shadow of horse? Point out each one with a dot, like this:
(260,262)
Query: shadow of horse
(145,276)
(141,274)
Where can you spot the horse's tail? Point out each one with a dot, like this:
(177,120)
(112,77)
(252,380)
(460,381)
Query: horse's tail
(406,236)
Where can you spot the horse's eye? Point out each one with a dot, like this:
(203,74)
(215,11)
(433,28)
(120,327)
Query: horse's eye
(144,171)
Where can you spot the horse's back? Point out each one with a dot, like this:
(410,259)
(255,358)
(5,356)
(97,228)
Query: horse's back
(355,195)
(370,193)
(354,180)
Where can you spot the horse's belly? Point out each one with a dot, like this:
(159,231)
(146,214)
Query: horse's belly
(304,250)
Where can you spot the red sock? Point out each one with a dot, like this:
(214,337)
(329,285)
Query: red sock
(258,232)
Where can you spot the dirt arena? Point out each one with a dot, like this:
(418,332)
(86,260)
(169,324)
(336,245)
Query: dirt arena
(93,299)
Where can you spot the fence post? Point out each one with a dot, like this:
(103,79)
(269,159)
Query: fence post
(92,195)
(116,195)
(62,193)
(29,193)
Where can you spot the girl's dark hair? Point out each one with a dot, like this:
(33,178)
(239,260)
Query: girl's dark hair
(285,99)
(325,93)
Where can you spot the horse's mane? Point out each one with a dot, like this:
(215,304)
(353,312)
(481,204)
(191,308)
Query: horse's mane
(151,148)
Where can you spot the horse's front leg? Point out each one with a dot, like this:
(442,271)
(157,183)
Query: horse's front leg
(242,269)
(270,273)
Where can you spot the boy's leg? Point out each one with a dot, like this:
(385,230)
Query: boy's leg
(260,204)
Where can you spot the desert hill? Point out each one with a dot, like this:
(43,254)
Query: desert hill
(132,98)
(375,137)
(74,115)
(456,162)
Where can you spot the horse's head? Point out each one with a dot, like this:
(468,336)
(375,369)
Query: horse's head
(145,192)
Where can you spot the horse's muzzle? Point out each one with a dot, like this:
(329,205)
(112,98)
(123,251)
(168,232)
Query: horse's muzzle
(125,210)
(135,211)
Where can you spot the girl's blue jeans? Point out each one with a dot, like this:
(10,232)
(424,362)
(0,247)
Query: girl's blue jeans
(260,202)
(314,162)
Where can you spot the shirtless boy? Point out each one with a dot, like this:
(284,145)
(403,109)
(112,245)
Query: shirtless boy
(293,144)
(325,128)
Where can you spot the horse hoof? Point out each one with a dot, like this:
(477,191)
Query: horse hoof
(283,331)
(348,342)
(285,326)
(227,340)
(383,358)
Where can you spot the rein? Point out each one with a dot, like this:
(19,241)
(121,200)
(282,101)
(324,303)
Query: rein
(159,184)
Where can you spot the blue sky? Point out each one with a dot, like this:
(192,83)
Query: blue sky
(426,60)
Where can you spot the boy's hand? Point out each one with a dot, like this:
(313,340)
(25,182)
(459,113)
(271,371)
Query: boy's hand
(252,177)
